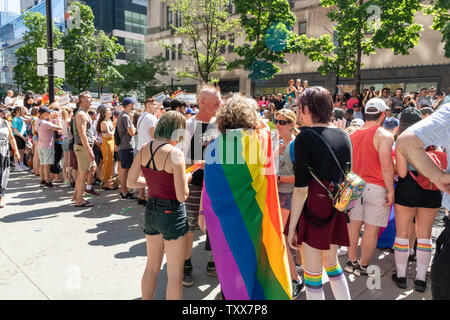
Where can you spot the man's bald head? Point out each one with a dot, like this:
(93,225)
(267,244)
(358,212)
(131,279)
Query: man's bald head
(209,101)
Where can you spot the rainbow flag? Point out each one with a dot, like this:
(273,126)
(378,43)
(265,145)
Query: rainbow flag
(242,212)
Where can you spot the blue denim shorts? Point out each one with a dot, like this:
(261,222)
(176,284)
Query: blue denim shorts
(165,217)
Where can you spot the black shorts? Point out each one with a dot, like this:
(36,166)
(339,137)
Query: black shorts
(97,153)
(409,194)
(126,158)
(165,217)
(20,143)
(116,156)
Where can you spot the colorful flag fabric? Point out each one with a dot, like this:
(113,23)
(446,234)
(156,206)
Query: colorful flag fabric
(242,213)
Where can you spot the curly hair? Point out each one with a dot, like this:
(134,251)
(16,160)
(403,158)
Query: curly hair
(238,113)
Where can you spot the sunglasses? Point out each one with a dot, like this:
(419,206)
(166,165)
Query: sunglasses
(281,122)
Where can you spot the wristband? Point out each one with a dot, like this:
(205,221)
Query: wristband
(200,213)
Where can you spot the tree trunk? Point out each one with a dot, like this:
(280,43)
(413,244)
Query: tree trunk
(358,53)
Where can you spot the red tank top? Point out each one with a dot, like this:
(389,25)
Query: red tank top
(159,182)
(366,162)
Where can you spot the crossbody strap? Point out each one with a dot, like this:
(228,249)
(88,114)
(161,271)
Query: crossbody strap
(143,116)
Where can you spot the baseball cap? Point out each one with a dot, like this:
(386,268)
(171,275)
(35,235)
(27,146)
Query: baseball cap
(44,109)
(190,111)
(410,115)
(390,123)
(357,122)
(126,101)
(376,103)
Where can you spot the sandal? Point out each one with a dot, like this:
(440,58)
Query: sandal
(85,204)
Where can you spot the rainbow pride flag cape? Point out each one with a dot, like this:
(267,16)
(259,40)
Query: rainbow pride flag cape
(242,213)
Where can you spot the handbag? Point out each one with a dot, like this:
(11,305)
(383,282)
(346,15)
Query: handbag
(349,190)
(440,159)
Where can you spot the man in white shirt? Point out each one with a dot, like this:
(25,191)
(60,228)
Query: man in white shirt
(146,123)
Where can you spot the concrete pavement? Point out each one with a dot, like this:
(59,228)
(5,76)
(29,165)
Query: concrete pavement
(51,250)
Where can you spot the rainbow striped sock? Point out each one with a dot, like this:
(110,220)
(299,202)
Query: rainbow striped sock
(401,247)
(313,281)
(426,247)
(334,272)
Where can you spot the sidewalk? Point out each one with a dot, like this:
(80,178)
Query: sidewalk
(51,250)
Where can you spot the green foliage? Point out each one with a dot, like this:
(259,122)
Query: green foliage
(268,25)
(90,53)
(79,75)
(138,75)
(206,27)
(361,28)
(25,71)
(440,9)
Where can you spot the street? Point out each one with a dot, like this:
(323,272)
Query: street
(51,250)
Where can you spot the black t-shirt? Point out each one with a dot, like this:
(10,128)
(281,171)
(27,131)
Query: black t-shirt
(312,152)
(279,104)
(198,141)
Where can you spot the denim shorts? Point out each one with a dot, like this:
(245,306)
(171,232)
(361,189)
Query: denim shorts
(65,144)
(165,217)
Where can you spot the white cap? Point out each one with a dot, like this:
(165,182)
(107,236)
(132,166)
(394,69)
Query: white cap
(376,103)
(357,122)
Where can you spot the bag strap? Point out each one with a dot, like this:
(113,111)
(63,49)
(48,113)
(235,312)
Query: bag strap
(329,148)
(143,116)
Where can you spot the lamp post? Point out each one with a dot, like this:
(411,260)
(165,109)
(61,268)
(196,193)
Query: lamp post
(51,70)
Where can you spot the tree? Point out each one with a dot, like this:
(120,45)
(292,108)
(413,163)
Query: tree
(441,21)
(79,74)
(25,71)
(268,25)
(206,27)
(140,74)
(91,53)
(361,28)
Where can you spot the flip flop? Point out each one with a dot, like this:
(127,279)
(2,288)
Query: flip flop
(85,204)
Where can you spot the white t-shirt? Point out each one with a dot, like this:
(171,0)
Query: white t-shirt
(9,100)
(145,122)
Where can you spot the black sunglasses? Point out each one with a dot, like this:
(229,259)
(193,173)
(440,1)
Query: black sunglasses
(281,122)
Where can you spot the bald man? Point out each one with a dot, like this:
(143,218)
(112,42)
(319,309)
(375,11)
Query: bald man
(201,129)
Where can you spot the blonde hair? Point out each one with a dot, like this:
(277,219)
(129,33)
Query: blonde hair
(238,113)
(65,113)
(34,111)
(290,116)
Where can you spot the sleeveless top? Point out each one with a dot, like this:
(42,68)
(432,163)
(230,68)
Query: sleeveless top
(160,183)
(4,138)
(89,130)
(366,162)
(110,127)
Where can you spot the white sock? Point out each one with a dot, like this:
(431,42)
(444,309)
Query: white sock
(423,258)
(89,187)
(313,283)
(338,282)
(401,255)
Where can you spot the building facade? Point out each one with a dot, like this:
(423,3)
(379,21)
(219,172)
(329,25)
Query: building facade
(425,66)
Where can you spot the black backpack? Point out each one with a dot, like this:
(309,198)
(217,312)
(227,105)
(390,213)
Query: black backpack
(116,134)
(440,267)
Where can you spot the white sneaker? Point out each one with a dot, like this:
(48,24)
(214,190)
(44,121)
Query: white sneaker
(2,202)
(18,167)
(24,167)
(342,251)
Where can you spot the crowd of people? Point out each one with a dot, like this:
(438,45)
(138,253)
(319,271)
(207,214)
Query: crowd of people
(321,137)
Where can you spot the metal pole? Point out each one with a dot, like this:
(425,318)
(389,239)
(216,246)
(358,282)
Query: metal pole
(51,77)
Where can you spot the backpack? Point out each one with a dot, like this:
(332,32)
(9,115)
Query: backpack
(440,159)
(116,134)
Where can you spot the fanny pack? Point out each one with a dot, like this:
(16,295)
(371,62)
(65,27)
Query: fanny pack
(349,190)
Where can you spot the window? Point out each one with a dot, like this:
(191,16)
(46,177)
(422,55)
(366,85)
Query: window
(134,49)
(167,54)
(169,17)
(291,4)
(178,19)
(302,27)
(135,22)
(174,53)
(180,52)
(230,7)
(222,48)
(231,45)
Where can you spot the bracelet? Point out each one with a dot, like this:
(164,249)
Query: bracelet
(200,213)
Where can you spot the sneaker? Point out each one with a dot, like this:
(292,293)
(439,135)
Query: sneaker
(360,271)
(129,197)
(342,251)
(19,168)
(211,269)
(299,268)
(24,166)
(142,202)
(188,281)
(48,185)
(400,282)
(42,184)
(2,202)
(72,185)
(297,286)
(351,266)
(92,192)
(420,285)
